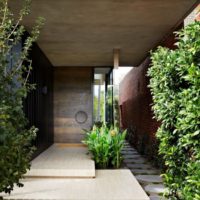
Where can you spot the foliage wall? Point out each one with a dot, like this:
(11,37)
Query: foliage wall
(175,87)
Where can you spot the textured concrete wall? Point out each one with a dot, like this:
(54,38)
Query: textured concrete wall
(72,103)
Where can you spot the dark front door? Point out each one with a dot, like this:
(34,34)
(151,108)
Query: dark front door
(72,103)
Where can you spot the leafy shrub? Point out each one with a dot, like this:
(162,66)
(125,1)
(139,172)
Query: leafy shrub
(15,138)
(105,145)
(175,87)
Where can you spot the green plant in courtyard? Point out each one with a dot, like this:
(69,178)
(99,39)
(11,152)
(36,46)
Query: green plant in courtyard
(175,87)
(15,136)
(105,145)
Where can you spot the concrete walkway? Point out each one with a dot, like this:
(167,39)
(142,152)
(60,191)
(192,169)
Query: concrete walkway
(148,176)
(51,173)
(65,161)
(108,185)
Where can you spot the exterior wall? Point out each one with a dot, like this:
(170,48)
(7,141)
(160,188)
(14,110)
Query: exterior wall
(135,110)
(136,113)
(73,103)
(39,103)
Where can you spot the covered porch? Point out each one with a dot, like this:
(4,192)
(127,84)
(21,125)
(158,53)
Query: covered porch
(81,45)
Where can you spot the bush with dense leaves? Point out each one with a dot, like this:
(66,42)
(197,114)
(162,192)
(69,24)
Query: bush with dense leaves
(15,136)
(175,87)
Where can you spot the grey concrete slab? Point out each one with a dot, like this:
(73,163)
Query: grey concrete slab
(132,156)
(129,152)
(145,171)
(147,179)
(155,197)
(154,189)
(108,185)
(63,161)
(139,166)
(136,160)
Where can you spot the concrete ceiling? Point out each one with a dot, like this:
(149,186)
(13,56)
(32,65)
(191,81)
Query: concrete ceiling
(85,32)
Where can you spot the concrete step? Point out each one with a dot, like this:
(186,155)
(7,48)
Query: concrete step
(62,162)
(108,185)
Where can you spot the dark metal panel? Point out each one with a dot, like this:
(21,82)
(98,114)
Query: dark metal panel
(39,103)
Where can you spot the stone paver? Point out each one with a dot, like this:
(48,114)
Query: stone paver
(135,160)
(132,156)
(148,179)
(146,174)
(145,171)
(157,197)
(129,153)
(139,166)
(155,189)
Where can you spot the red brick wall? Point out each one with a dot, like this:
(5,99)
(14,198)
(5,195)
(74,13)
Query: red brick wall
(135,100)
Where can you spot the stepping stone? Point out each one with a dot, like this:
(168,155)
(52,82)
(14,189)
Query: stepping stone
(145,171)
(155,197)
(139,166)
(129,152)
(132,156)
(127,145)
(155,189)
(128,148)
(135,160)
(148,179)
(125,149)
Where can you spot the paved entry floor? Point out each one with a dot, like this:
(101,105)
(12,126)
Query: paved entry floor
(108,185)
(62,160)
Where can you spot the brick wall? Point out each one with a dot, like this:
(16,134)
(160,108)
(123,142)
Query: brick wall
(136,113)
(135,100)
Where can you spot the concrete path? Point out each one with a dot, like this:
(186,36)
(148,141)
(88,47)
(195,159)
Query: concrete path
(63,161)
(108,185)
(145,173)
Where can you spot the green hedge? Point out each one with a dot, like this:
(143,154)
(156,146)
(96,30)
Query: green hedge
(175,87)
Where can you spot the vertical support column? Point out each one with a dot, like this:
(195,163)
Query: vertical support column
(116,53)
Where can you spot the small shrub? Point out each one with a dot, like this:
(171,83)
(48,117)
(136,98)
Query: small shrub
(105,145)
(175,87)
